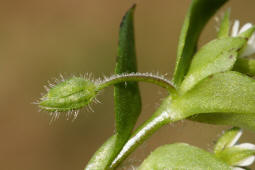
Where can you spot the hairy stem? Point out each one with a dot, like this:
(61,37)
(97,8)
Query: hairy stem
(162,116)
(145,77)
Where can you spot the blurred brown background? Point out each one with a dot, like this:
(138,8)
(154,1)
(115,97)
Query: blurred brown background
(39,39)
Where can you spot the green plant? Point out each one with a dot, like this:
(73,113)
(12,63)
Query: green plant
(210,85)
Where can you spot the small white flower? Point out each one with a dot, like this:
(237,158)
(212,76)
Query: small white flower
(227,145)
(250,48)
(245,146)
(249,160)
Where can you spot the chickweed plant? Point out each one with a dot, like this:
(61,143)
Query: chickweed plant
(213,84)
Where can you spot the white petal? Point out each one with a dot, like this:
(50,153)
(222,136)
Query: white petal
(245,27)
(249,50)
(247,161)
(248,146)
(235,28)
(237,168)
(252,39)
(236,138)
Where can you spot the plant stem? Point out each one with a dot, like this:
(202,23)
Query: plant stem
(161,117)
(145,77)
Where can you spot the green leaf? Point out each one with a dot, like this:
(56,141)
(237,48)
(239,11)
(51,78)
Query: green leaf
(225,25)
(199,13)
(230,94)
(216,56)
(245,65)
(126,97)
(237,119)
(182,156)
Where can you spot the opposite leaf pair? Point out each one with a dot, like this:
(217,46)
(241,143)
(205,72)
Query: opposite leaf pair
(210,86)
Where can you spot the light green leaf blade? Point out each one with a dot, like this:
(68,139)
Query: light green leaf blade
(230,93)
(233,119)
(225,25)
(182,156)
(199,13)
(216,56)
(126,97)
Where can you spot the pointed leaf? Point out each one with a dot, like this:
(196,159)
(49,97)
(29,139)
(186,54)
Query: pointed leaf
(199,13)
(181,156)
(126,97)
(216,56)
(230,93)
(225,25)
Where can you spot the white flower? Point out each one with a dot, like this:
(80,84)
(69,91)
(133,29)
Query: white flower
(250,48)
(227,147)
(249,160)
(245,146)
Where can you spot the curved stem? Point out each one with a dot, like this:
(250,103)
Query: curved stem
(162,116)
(145,77)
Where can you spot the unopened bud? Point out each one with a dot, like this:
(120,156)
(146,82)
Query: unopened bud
(71,94)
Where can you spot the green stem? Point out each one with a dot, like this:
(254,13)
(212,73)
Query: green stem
(162,116)
(145,77)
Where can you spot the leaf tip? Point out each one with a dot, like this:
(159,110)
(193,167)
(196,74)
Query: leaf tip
(130,10)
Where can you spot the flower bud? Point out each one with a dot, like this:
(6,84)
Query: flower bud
(71,94)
